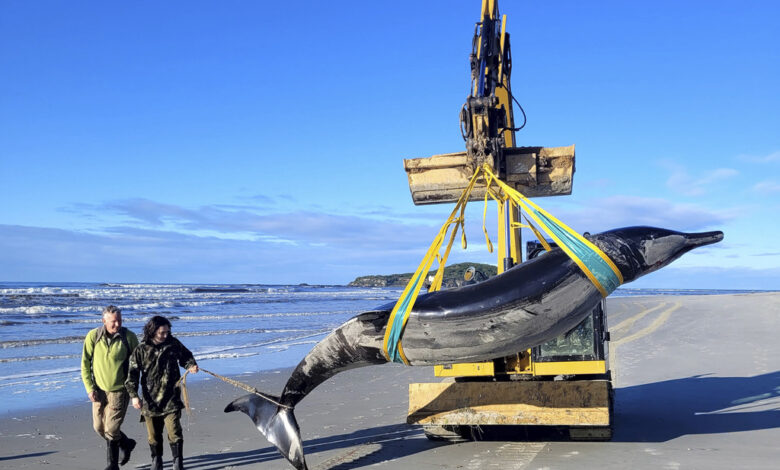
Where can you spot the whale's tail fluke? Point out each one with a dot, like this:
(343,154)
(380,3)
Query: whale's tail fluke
(277,423)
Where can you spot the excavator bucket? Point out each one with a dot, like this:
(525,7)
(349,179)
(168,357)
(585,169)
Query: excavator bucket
(534,171)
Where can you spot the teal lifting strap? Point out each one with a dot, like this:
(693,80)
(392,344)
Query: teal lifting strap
(397,326)
(595,263)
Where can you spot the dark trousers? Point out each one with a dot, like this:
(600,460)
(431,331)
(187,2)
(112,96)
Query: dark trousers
(154,428)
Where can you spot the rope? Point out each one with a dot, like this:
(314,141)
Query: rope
(185,397)
(182,383)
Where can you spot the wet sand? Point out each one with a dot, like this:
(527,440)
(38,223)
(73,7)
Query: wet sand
(697,386)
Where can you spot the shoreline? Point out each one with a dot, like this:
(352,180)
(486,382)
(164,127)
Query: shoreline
(696,378)
(70,391)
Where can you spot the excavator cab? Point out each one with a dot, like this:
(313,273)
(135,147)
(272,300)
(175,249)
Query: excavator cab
(585,342)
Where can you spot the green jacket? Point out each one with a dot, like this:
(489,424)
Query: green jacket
(104,359)
(156,367)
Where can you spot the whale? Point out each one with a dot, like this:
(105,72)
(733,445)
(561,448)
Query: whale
(523,307)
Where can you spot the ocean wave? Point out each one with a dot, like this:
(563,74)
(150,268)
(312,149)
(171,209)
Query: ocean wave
(272,347)
(64,295)
(40,301)
(94,320)
(39,358)
(226,332)
(219,290)
(266,315)
(47,310)
(128,319)
(20,343)
(42,326)
(202,357)
(150,307)
(281,290)
(40,373)
(286,346)
(172,304)
(44,290)
(238,332)
(223,349)
(215,352)
(54,310)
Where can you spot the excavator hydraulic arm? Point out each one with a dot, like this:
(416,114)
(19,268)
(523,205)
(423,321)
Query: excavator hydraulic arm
(487,126)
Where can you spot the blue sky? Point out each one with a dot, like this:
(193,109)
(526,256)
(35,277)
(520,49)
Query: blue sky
(262,142)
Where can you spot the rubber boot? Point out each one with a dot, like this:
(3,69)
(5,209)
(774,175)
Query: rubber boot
(157,452)
(126,446)
(176,450)
(112,455)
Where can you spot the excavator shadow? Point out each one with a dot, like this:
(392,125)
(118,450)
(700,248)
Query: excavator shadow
(701,404)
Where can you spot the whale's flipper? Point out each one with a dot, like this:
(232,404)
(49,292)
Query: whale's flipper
(276,423)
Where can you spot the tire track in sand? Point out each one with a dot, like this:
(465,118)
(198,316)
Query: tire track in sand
(350,459)
(629,322)
(657,323)
(508,456)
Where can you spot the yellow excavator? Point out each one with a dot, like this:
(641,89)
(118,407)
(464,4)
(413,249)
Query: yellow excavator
(563,383)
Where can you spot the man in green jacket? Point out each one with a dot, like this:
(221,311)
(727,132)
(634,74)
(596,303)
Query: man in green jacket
(104,363)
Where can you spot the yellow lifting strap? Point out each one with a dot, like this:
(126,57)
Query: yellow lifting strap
(400,314)
(590,259)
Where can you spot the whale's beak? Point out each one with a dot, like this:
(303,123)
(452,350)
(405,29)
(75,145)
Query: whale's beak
(655,248)
(695,240)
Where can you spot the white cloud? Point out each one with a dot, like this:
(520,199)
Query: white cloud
(766,187)
(133,255)
(772,157)
(622,211)
(681,181)
(165,242)
(127,254)
(369,231)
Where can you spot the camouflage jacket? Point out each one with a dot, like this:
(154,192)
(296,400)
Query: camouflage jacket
(156,366)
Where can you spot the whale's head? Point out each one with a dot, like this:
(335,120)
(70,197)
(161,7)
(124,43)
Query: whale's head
(640,250)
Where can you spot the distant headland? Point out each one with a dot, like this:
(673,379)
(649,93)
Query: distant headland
(453,276)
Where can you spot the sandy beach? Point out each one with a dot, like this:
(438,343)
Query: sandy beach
(697,383)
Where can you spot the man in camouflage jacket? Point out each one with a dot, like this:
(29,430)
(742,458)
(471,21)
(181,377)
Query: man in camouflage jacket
(155,363)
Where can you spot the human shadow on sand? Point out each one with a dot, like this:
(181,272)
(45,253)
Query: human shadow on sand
(369,446)
(702,404)
(24,456)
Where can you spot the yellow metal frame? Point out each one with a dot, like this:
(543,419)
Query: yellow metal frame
(466,369)
(570,368)
(521,363)
(488,369)
(578,403)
